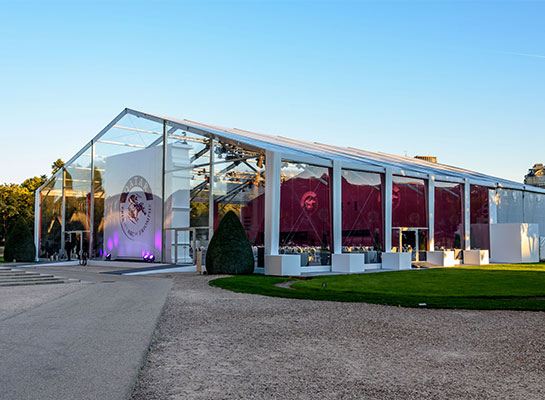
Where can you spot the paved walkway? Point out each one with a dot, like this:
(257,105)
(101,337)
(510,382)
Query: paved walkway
(77,341)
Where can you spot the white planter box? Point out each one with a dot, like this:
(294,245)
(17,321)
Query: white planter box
(392,260)
(476,257)
(283,265)
(348,263)
(514,243)
(443,258)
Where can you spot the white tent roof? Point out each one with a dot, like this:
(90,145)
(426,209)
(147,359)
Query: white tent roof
(407,166)
(331,152)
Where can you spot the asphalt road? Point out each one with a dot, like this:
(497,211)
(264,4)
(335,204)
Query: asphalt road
(82,343)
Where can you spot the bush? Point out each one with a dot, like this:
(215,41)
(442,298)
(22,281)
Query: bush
(20,243)
(229,251)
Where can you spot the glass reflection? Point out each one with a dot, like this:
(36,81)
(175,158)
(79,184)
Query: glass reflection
(448,215)
(305,212)
(362,218)
(479,217)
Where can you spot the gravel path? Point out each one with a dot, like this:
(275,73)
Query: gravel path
(215,344)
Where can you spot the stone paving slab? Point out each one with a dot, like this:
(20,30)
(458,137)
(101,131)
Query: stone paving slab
(88,343)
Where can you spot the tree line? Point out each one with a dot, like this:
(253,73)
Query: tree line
(17,202)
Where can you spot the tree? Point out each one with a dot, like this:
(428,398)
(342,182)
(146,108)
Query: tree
(34,183)
(15,201)
(18,201)
(20,243)
(58,164)
(229,251)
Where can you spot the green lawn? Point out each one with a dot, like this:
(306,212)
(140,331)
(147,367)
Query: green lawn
(515,287)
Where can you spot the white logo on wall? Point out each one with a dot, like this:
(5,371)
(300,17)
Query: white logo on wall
(135,208)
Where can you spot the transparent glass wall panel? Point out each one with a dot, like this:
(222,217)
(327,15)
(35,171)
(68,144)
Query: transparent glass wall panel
(448,215)
(305,212)
(510,206)
(479,217)
(362,216)
(409,210)
(50,240)
(128,190)
(187,195)
(534,210)
(77,191)
(239,186)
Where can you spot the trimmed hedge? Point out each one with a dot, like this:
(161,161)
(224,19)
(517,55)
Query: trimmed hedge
(229,251)
(20,243)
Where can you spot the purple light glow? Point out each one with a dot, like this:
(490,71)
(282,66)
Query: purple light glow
(158,240)
(110,244)
(116,239)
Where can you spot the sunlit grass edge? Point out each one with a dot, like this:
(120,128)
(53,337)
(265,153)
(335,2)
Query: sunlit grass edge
(500,287)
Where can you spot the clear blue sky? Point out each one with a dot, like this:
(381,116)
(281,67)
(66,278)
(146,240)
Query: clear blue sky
(460,80)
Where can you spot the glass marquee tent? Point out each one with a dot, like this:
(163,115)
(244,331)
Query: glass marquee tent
(155,187)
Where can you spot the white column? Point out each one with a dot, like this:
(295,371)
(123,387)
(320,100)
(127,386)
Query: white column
(388,210)
(467,216)
(211,191)
(272,202)
(37,222)
(336,198)
(431,212)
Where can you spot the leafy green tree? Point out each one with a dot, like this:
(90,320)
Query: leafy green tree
(20,243)
(15,201)
(229,251)
(34,183)
(57,164)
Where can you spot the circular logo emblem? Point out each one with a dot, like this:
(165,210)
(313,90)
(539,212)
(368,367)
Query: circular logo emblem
(309,202)
(135,207)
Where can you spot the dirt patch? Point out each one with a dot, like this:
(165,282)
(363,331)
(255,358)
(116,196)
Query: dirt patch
(215,344)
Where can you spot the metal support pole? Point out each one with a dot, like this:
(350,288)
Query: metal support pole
(337,210)
(388,188)
(467,215)
(272,202)
(63,210)
(163,193)
(92,202)
(37,222)
(211,191)
(431,212)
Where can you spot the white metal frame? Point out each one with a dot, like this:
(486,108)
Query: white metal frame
(277,148)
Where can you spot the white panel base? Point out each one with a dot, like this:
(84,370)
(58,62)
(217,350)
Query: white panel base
(444,258)
(283,265)
(393,260)
(514,243)
(348,263)
(476,257)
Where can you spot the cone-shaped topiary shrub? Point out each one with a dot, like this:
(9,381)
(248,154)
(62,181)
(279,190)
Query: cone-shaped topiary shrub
(20,243)
(229,251)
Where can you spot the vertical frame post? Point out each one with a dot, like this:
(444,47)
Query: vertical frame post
(92,202)
(163,193)
(63,210)
(37,222)
(388,188)
(431,212)
(336,198)
(272,202)
(211,180)
(467,215)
